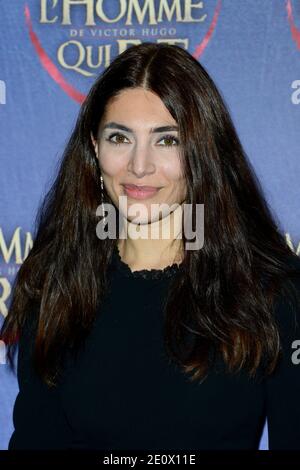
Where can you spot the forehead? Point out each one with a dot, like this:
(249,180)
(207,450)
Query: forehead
(138,103)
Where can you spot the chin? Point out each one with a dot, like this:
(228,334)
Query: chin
(140,220)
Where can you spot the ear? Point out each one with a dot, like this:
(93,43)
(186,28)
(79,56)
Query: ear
(94,142)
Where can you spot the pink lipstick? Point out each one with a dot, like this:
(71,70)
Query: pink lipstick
(140,192)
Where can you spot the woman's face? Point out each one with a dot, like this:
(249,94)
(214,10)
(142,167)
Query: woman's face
(137,154)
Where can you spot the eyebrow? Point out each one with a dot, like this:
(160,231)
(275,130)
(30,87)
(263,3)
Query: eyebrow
(116,125)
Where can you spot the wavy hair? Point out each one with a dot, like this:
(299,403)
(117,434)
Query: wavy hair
(229,285)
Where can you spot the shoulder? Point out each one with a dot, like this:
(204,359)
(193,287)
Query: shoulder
(283,385)
(26,346)
(287,303)
(286,315)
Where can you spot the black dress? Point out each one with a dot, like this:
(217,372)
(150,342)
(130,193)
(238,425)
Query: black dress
(122,393)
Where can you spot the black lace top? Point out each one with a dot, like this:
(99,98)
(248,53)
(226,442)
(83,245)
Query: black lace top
(167,272)
(123,392)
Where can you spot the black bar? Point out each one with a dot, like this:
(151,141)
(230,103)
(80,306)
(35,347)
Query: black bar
(131,459)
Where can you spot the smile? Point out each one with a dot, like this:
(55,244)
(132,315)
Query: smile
(140,192)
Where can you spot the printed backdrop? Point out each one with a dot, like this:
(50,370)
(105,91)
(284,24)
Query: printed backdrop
(51,52)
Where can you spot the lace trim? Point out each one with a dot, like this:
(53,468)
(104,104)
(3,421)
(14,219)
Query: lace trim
(168,271)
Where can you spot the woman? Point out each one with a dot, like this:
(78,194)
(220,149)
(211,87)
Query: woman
(130,342)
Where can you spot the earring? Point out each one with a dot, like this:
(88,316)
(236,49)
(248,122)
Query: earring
(102,200)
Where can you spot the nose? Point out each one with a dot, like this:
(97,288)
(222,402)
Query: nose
(141,161)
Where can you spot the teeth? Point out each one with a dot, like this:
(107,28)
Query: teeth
(139,188)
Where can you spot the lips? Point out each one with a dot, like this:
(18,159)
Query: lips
(140,192)
(140,188)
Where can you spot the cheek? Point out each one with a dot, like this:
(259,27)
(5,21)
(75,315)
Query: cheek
(109,163)
(172,171)
(174,175)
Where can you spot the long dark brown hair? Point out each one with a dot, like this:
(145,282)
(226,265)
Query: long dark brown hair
(224,296)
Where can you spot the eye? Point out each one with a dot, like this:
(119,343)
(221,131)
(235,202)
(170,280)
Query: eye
(170,138)
(118,135)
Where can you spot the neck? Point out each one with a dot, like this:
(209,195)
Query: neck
(158,244)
